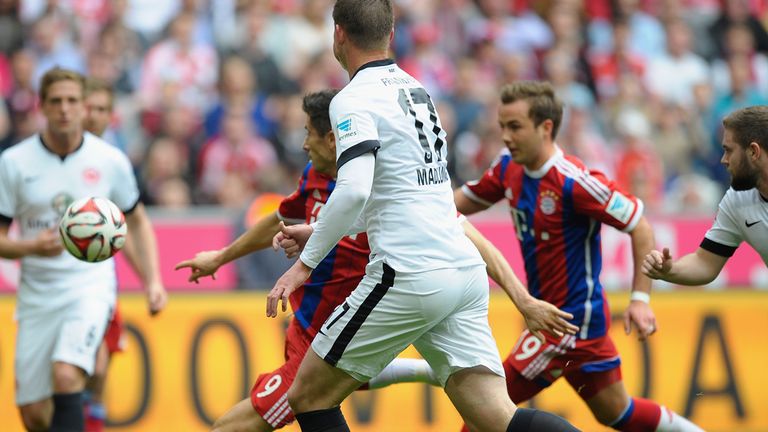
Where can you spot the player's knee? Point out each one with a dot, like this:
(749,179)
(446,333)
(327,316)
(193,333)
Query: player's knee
(296,398)
(67,378)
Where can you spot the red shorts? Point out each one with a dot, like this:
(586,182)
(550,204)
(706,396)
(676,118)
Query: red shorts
(113,337)
(588,365)
(269,396)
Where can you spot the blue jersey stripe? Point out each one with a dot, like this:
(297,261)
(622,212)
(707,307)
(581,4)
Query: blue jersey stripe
(598,322)
(526,208)
(305,178)
(313,288)
(504,162)
(573,234)
(576,231)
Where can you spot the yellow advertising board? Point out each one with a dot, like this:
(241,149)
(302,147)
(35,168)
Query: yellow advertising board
(185,367)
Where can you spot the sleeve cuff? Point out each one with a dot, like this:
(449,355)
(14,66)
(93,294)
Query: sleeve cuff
(718,248)
(132,208)
(356,150)
(472,196)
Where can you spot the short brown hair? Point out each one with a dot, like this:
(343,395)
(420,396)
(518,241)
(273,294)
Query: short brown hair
(316,105)
(540,95)
(368,23)
(59,74)
(749,125)
(93,85)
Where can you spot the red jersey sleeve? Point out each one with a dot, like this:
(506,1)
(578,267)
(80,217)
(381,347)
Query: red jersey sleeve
(598,197)
(293,208)
(490,187)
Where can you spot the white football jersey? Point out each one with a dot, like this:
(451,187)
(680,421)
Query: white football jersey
(410,216)
(36,186)
(742,216)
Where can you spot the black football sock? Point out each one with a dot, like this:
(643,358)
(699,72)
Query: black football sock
(68,412)
(327,420)
(530,420)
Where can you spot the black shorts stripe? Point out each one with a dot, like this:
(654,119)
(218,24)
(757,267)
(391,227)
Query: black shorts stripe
(357,320)
(717,248)
(356,150)
(5,220)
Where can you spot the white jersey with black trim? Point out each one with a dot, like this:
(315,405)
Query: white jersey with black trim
(742,216)
(36,186)
(410,216)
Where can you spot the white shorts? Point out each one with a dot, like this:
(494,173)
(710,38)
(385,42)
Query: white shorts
(69,335)
(443,313)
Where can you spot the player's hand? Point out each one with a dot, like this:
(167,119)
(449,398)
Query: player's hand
(287,284)
(542,316)
(640,315)
(157,298)
(292,238)
(48,243)
(205,263)
(657,265)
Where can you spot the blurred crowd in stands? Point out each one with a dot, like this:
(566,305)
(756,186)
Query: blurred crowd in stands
(208,92)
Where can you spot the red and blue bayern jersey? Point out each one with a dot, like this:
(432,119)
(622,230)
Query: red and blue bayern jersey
(341,270)
(558,211)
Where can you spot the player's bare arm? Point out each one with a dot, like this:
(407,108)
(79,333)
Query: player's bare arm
(145,248)
(539,315)
(258,237)
(292,239)
(47,244)
(466,205)
(698,268)
(353,187)
(639,313)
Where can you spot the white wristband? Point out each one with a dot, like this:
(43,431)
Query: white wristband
(640,296)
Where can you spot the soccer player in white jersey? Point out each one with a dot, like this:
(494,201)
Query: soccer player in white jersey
(425,284)
(63,304)
(743,212)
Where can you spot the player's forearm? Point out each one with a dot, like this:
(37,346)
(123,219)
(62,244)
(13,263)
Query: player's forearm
(465,205)
(258,237)
(353,187)
(498,268)
(14,249)
(643,242)
(698,268)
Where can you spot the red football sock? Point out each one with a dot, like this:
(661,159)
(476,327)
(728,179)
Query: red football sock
(642,416)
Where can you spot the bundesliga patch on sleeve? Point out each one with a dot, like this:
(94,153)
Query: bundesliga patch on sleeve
(347,128)
(620,207)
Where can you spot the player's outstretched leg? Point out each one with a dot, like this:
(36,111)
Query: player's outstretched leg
(241,417)
(481,398)
(95,413)
(68,384)
(403,370)
(613,407)
(644,415)
(316,394)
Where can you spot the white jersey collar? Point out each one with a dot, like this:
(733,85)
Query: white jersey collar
(541,172)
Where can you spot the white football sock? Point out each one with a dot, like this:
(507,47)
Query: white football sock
(670,421)
(403,370)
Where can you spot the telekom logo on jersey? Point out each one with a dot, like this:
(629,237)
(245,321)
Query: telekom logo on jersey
(316,206)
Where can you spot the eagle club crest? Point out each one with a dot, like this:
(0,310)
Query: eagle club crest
(60,202)
(548,202)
